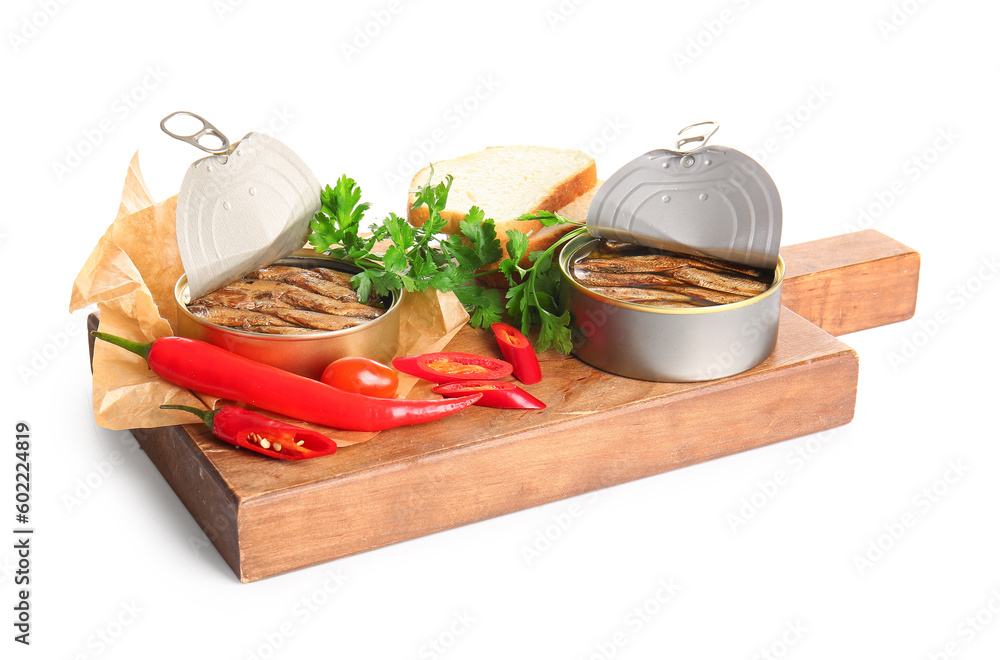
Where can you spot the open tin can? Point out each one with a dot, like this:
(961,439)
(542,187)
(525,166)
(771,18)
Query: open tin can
(707,202)
(307,354)
(247,204)
(664,344)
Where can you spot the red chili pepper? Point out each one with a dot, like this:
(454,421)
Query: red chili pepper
(517,350)
(449,367)
(200,366)
(496,393)
(247,429)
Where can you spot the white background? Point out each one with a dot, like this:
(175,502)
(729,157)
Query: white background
(845,103)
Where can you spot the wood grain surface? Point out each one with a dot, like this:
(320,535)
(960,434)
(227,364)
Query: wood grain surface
(851,282)
(268,517)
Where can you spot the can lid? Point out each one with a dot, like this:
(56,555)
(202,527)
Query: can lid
(244,207)
(711,200)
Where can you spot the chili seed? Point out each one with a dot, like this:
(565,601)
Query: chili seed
(300,443)
(265,443)
(277,447)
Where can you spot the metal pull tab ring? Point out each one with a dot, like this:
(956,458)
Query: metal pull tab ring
(701,137)
(194,138)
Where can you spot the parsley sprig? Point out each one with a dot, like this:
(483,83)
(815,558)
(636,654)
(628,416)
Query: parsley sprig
(533,298)
(418,258)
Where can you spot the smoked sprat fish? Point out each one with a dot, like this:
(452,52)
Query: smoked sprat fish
(338,288)
(287,300)
(665,279)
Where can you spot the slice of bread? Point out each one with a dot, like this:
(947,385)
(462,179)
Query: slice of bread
(508,182)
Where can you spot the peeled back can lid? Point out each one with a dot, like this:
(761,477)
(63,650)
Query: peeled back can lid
(713,201)
(246,206)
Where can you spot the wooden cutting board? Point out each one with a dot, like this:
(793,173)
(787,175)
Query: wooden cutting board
(598,430)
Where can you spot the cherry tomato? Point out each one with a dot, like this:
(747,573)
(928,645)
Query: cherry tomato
(361,375)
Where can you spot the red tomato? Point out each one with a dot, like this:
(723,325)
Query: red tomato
(361,375)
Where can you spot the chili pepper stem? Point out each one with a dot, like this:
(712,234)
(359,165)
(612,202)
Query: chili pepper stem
(207,416)
(140,349)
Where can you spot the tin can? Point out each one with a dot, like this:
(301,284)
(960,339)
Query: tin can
(308,354)
(668,344)
(716,202)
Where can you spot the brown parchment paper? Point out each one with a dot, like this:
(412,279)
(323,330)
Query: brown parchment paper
(131,274)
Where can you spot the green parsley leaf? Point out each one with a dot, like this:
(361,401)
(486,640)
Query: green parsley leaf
(384,282)
(419,257)
(548,218)
(481,231)
(465,257)
(363,285)
(394,259)
(400,231)
(339,217)
(485,305)
(517,245)
(436,199)
(555,332)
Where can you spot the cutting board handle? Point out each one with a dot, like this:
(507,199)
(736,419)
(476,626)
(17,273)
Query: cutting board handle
(851,282)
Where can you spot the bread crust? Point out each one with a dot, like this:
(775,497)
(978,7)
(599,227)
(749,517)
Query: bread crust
(564,193)
(540,237)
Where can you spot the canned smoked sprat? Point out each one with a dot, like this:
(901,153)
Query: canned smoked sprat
(681,315)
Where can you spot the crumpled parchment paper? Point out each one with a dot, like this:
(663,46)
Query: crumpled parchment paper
(131,274)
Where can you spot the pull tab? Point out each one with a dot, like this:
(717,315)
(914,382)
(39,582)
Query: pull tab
(207,129)
(700,137)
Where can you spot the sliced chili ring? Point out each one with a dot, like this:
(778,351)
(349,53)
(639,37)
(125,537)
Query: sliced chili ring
(496,393)
(517,350)
(453,366)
